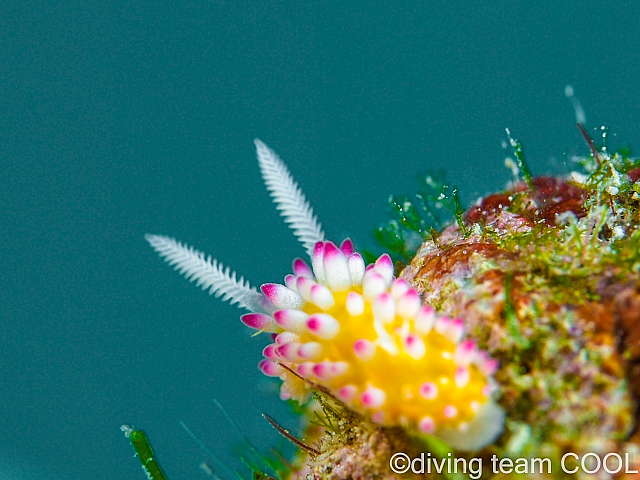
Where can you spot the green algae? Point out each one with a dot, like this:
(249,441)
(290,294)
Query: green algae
(419,217)
(519,154)
(144,452)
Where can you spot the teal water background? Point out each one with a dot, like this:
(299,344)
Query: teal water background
(121,118)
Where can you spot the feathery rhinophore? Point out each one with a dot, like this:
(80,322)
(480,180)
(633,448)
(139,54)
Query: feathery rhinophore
(208,273)
(289,199)
(211,275)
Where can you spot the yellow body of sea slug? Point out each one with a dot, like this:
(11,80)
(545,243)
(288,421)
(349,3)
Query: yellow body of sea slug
(361,334)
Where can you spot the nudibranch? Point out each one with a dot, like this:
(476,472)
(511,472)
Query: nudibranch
(358,332)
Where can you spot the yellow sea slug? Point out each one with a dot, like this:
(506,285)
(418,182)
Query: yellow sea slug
(368,339)
(357,331)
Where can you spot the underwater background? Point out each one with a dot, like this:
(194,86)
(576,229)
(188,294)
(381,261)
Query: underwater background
(122,118)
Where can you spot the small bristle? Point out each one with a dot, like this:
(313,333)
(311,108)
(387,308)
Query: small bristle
(305,369)
(408,304)
(336,268)
(317,263)
(399,287)
(372,284)
(303,286)
(347,393)
(489,389)
(415,347)
(321,370)
(301,269)
(465,352)
(487,365)
(289,351)
(292,320)
(329,370)
(347,247)
(269,352)
(286,337)
(373,397)
(259,321)
(355,304)
(378,417)
(442,325)
(281,296)
(428,390)
(323,326)
(339,368)
(425,319)
(290,282)
(322,297)
(384,308)
(427,425)
(450,411)
(284,394)
(384,266)
(270,369)
(462,376)
(310,350)
(455,331)
(364,349)
(356,268)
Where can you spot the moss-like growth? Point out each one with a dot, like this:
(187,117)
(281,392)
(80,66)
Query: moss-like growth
(546,275)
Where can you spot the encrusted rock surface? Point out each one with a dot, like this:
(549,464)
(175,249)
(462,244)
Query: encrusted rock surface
(546,277)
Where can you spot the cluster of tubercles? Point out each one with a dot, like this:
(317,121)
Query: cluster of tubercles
(367,338)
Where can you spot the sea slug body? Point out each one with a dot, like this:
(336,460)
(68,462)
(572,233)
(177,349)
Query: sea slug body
(356,331)
(366,337)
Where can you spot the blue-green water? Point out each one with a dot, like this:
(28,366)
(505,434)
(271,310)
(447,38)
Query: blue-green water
(121,119)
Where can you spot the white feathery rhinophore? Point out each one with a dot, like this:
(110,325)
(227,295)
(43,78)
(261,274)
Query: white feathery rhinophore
(209,274)
(289,199)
